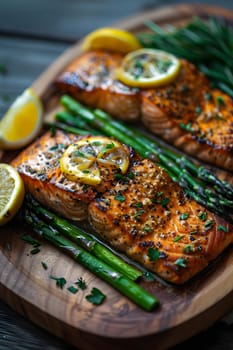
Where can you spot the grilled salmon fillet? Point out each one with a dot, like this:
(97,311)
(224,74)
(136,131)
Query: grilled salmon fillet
(91,79)
(39,166)
(186,113)
(149,218)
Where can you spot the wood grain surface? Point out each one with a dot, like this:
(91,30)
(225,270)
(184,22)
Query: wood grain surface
(27,288)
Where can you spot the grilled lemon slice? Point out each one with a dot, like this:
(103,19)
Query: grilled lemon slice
(82,160)
(148,68)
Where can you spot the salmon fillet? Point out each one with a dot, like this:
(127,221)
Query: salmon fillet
(91,79)
(187,113)
(150,219)
(40,169)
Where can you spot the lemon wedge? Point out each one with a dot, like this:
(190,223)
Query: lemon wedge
(22,122)
(11,192)
(148,68)
(111,39)
(83,159)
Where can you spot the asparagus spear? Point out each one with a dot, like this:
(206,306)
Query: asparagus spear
(85,240)
(124,285)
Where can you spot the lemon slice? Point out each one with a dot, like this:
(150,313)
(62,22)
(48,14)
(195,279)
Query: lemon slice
(148,68)
(111,39)
(22,122)
(83,160)
(11,192)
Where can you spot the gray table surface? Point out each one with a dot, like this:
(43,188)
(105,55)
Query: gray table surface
(32,35)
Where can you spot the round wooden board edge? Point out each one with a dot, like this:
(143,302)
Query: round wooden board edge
(41,88)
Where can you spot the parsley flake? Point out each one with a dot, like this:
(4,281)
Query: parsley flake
(120,198)
(188,248)
(153,254)
(202,215)
(35,251)
(72,289)
(60,281)
(30,240)
(222,228)
(184,216)
(81,283)
(131,175)
(44,265)
(181,262)
(178,238)
(96,297)
(209,224)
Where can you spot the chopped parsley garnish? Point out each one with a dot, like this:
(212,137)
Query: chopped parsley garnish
(159,194)
(30,240)
(120,198)
(178,238)
(153,254)
(198,110)
(131,175)
(78,153)
(181,262)
(96,143)
(119,177)
(35,251)
(186,127)
(81,283)
(72,289)
(147,229)
(184,216)
(139,213)
(107,147)
(188,248)
(165,202)
(96,297)
(222,228)
(202,215)
(209,224)
(60,281)
(138,205)
(85,171)
(44,265)
(220,101)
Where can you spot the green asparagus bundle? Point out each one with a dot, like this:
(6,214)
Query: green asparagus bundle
(116,279)
(198,182)
(84,239)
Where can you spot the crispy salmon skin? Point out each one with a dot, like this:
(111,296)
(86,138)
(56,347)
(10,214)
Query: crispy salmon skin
(186,113)
(148,217)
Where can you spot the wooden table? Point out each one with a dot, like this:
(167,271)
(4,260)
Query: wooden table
(33,35)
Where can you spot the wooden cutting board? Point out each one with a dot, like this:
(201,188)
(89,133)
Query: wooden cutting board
(26,286)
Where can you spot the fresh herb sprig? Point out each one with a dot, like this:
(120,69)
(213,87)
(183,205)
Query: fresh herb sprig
(190,42)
